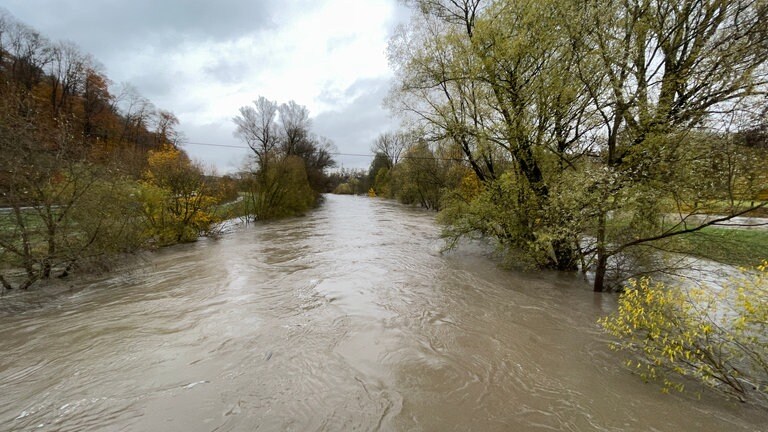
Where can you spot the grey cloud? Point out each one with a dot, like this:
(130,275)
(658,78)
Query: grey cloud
(401,16)
(104,27)
(331,97)
(124,34)
(136,41)
(227,71)
(158,86)
(354,127)
(117,33)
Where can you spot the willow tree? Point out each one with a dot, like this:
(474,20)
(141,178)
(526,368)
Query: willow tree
(499,81)
(588,122)
(437,86)
(674,75)
(289,160)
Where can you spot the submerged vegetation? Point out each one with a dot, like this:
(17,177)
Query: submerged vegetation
(80,177)
(715,335)
(287,172)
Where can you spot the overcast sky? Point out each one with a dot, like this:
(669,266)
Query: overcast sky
(203,59)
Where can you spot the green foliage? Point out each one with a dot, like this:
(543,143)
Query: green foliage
(97,218)
(280,191)
(297,194)
(420,177)
(381,182)
(587,123)
(496,211)
(289,161)
(716,335)
(108,219)
(352,183)
(343,189)
(378,173)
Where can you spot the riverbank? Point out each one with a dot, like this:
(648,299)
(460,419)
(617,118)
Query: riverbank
(734,245)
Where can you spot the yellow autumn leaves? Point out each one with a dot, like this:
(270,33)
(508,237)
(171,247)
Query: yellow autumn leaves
(716,335)
(176,202)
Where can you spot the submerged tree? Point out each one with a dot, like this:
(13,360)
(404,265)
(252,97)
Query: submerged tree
(290,162)
(61,210)
(715,336)
(589,123)
(669,69)
(496,81)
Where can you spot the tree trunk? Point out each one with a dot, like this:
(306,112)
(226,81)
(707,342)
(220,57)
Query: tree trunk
(47,266)
(602,255)
(5,284)
(565,255)
(602,264)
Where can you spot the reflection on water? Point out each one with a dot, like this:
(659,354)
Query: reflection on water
(348,319)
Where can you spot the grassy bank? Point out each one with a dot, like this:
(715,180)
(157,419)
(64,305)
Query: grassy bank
(738,247)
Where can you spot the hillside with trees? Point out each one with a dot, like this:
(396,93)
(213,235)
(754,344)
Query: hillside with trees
(87,173)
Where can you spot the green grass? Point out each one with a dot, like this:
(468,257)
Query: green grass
(719,207)
(231,210)
(738,247)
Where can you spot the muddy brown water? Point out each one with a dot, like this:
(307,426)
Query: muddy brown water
(348,319)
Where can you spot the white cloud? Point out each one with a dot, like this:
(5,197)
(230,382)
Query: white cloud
(325,50)
(203,63)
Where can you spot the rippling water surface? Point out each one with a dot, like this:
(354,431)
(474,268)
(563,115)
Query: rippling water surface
(348,319)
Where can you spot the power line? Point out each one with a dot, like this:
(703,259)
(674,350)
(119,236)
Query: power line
(368,155)
(214,145)
(248,148)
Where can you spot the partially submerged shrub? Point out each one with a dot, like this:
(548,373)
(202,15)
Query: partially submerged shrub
(716,335)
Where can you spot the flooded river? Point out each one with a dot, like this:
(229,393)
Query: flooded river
(347,319)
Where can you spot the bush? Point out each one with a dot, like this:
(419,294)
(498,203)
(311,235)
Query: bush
(343,189)
(716,335)
(176,202)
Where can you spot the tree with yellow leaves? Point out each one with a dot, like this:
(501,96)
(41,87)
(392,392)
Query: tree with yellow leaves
(177,203)
(716,335)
